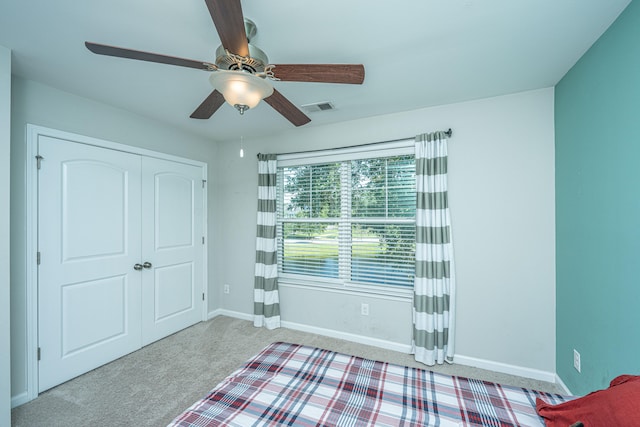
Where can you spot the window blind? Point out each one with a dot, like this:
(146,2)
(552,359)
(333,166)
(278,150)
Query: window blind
(349,221)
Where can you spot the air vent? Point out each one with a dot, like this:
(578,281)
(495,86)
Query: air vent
(318,106)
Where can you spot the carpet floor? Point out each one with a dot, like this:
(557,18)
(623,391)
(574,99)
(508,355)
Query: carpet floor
(153,385)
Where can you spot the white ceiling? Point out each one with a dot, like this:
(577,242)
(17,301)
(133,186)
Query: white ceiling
(416,53)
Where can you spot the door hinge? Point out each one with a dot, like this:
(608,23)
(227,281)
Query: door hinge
(39,353)
(203,296)
(204,181)
(203,240)
(38,258)
(39,159)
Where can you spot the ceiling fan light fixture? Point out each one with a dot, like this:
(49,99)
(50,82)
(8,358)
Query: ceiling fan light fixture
(240,89)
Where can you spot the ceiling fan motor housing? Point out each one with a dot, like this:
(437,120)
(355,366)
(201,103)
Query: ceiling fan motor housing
(254,63)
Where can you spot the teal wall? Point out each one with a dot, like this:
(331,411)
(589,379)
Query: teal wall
(597,119)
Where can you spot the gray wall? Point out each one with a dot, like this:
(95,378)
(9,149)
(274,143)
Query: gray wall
(502,201)
(5,144)
(502,208)
(38,104)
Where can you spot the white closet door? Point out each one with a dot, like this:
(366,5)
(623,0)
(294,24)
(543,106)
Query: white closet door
(172,247)
(89,240)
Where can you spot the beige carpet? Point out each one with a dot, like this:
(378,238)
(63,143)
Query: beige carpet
(153,385)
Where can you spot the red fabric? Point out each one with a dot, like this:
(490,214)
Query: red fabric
(618,405)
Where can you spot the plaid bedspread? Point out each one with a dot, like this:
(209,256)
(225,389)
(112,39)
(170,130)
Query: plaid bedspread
(289,384)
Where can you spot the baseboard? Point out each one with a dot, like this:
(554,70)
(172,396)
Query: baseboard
(214,313)
(403,348)
(563,386)
(389,345)
(230,313)
(375,342)
(505,368)
(19,399)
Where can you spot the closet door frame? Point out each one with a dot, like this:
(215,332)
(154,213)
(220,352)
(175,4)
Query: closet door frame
(33,133)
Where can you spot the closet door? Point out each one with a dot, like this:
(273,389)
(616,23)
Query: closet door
(172,247)
(89,308)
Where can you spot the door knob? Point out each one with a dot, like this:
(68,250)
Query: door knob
(147,265)
(137,267)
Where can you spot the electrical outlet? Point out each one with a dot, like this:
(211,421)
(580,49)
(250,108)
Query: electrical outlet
(364,309)
(226,289)
(576,360)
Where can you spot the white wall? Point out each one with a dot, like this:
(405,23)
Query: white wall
(42,105)
(502,207)
(5,144)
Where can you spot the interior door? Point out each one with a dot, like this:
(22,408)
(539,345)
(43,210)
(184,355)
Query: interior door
(172,247)
(89,240)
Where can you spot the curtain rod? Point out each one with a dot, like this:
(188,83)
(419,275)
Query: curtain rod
(448,132)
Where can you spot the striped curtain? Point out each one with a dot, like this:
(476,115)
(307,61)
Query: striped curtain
(434,283)
(266,300)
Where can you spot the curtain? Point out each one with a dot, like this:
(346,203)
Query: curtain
(266,299)
(434,283)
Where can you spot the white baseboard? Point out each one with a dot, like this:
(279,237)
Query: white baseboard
(505,368)
(376,342)
(563,386)
(405,348)
(214,313)
(230,313)
(19,399)
(389,345)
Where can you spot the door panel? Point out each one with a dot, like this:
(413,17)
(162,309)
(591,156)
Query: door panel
(89,239)
(173,209)
(172,243)
(174,293)
(93,313)
(93,189)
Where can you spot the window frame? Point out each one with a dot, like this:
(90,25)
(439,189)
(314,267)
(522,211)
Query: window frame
(369,151)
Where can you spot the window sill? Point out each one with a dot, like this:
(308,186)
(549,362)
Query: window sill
(337,286)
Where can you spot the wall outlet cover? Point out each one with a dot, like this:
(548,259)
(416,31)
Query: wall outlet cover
(364,309)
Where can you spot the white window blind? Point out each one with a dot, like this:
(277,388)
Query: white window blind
(348,222)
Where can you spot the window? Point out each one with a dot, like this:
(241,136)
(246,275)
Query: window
(350,220)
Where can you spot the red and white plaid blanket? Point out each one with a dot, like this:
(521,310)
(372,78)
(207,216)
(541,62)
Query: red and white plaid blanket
(290,384)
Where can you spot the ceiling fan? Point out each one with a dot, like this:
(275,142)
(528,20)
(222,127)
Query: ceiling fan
(241,74)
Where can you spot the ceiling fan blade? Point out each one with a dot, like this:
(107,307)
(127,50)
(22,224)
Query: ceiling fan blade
(120,52)
(229,21)
(320,73)
(209,106)
(283,106)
